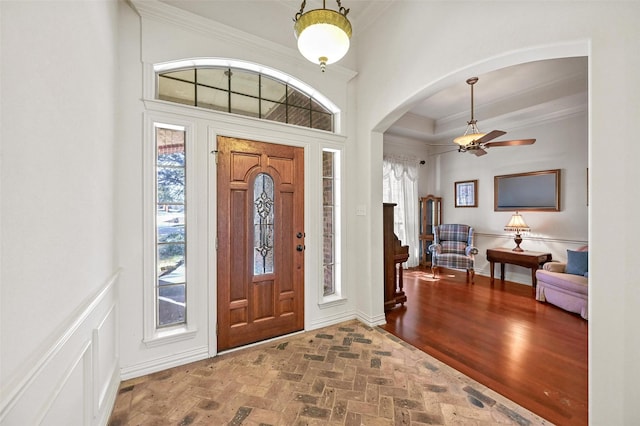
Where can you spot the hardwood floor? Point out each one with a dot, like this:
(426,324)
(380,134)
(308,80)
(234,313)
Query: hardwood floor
(533,353)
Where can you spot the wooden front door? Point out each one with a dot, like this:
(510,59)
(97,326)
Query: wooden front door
(260,241)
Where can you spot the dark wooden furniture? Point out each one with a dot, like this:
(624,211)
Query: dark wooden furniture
(395,254)
(430,216)
(528,259)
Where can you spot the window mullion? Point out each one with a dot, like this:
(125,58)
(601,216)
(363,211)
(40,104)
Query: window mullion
(242,96)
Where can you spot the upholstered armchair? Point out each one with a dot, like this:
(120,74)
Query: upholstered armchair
(453,248)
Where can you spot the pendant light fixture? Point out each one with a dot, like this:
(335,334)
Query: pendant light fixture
(323,34)
(472,133)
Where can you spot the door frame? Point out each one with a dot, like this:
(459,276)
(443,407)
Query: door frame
(262,293)
(313,142)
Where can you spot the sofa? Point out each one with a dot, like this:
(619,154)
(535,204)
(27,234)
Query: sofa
(566,284)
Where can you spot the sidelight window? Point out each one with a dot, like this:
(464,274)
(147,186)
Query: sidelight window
(171,237)
(330,221)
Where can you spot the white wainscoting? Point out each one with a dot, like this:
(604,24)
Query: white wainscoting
(75,382)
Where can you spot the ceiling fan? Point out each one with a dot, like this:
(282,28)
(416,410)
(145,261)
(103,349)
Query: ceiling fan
(475,142)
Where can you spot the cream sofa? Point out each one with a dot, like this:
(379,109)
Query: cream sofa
(567,291)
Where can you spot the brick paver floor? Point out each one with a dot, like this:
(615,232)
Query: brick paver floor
(346,374)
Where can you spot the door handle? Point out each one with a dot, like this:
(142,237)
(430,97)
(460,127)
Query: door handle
(300,247)
(299,235)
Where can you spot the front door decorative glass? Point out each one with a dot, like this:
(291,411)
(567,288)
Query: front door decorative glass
(263,221)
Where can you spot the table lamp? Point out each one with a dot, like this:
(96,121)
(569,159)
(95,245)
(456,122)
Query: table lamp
(517,224)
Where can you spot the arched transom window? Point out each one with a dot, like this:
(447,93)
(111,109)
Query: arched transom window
(246,89)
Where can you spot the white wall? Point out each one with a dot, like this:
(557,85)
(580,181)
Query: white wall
(58,315)
(421,47)
(560,144)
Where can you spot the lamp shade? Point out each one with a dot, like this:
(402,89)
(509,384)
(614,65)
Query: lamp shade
(517,224)
(467,138)
(323,36)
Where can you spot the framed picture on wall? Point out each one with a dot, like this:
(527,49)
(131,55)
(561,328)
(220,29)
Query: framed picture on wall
(466,193)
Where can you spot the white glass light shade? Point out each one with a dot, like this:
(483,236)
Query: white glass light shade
(466,139)
(323,36)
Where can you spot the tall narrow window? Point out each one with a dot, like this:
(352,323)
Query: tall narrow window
(171,285)
(400,186)
(330,221)
(263,215)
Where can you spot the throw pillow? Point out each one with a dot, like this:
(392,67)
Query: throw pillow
(577,262)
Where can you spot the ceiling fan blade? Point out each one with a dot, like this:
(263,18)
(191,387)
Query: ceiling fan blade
(479,152)
(491,135)
(510,143)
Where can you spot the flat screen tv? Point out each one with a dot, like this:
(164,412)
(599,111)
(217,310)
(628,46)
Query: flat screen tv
(527,191)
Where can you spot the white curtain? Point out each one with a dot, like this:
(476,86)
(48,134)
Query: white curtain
(400,186)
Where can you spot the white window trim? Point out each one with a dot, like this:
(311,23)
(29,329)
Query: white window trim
(215,122)
(339,296)
(154,336)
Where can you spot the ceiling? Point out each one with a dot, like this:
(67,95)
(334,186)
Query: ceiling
(505,99)
(251,16)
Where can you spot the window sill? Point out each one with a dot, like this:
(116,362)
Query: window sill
(331,301)
(164,337)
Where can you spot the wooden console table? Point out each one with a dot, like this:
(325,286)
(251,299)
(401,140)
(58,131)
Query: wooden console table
(528,259)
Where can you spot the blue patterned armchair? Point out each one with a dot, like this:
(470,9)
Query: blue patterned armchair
(453,248)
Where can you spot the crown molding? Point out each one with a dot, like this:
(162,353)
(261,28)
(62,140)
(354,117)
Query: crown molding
(363,14)
(368,14)
(566,87)
(516,120)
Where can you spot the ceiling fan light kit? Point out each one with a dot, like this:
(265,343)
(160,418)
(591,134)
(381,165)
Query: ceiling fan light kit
(323,34)
(468,138)
(476,142)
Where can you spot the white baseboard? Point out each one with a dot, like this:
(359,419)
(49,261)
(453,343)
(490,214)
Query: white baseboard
(370,320)
(165,362)
(329,320)
(509,275)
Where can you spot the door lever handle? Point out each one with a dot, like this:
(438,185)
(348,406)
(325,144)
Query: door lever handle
(300,247)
